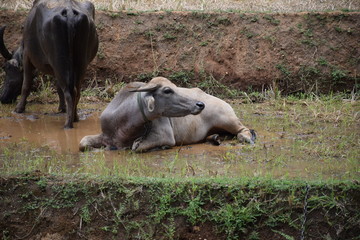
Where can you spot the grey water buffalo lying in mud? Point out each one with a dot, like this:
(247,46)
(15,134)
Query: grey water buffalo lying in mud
(157,114)
(60,39)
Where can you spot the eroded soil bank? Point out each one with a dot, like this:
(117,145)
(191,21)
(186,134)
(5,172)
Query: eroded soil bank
(294,52)
(38,206)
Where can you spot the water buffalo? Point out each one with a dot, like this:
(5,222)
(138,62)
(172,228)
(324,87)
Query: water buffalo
(157,114)
(59,39)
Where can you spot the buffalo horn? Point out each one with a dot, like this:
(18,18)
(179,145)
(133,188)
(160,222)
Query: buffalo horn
(3,50)
(147,88)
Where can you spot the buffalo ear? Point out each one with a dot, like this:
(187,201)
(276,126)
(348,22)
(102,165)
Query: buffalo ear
(147,88)
(150,103)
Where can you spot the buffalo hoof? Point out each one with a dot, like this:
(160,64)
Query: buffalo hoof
(62,110)
(248,136)
(136,144)
(214,139)
(76,118)
(19,109)
(253,135)
(68,126)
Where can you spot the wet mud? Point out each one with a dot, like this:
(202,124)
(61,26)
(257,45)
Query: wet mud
(46,128)
(284,148)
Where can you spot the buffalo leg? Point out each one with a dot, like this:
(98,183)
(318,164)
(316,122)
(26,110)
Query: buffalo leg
(234,126)
(62,105)
(26,86)
(69,99)
(160,135)
(77,95)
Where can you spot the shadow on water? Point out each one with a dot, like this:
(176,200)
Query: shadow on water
(290,145)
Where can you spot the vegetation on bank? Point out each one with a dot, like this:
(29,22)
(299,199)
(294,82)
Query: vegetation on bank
(147,208)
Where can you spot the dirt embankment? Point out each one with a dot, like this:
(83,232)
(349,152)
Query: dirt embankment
(38,206)
(295,51)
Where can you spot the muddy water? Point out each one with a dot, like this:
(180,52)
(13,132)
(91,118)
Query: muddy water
(278,152)
(47,130)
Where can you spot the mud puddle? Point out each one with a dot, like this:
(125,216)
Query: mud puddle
(46,129)
(36,140)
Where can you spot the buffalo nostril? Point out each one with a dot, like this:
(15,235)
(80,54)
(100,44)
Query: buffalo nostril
(201,105)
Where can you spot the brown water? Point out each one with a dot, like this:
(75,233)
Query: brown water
(296,152)
(47,130)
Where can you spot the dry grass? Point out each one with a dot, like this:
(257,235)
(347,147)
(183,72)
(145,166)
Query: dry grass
(211,5)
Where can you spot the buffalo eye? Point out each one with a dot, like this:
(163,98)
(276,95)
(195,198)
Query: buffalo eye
(168,91)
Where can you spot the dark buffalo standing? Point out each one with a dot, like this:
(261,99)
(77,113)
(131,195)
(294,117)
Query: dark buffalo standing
(60,39)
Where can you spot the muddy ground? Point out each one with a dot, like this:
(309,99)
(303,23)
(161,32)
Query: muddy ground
(295,52)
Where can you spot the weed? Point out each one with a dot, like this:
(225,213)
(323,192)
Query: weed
(248,33)
(272,20)
(287,237)
(323,62)
(254,236)
(114,14)
(200,15)
(169,36)
(5,235)
(270,38)
(286,72)
(42,183)
(170,229)
(85,214)
(194,211)
(145,77)
(182,77)
(223,21)
(338,75)
(204,43)
(132,13)
(254,19)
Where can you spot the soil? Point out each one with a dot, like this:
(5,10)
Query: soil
(292,52)
(38,206)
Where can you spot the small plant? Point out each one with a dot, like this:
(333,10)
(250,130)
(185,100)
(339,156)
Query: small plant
(323,62)
(338,75)
(283,69)
(85,214)
(223,21)
(272,20)
(212,86)
(203,44)
(248,33)
(270,38)
(169,36)
(114,14)
(287,237)
(42,183)
(254,19)
(182,77)
(132,13)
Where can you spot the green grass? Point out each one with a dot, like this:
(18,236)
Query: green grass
(302,136)
(234,209)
